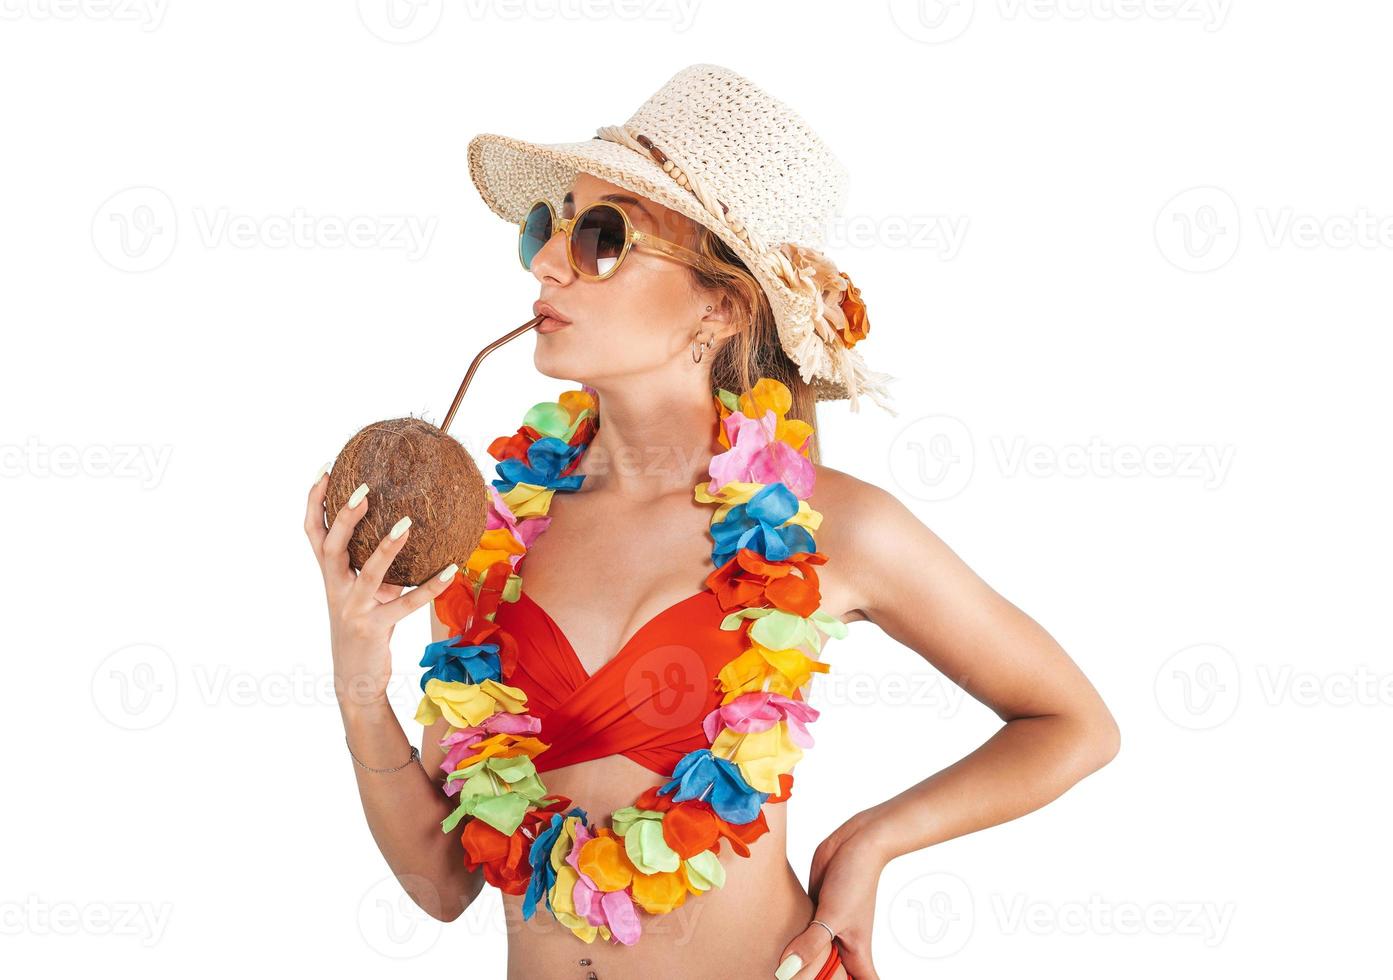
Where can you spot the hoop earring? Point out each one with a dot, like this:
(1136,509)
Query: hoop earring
(699,348)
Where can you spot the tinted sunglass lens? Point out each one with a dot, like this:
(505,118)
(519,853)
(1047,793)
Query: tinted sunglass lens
(597,240)
(536,232)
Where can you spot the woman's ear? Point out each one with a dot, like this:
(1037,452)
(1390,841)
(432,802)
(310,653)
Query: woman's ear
(715,317)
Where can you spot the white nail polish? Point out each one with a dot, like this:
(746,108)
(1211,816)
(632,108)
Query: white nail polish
(357,496)
(320,475)
(399,528)
(449,572)
(791,965)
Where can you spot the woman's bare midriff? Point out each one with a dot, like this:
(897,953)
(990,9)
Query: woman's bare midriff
(730,933)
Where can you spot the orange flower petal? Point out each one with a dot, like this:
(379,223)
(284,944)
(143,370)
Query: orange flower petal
(690,828)
(604,860)
(660,893)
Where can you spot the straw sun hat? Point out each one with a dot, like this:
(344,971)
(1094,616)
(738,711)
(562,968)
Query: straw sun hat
(713,146)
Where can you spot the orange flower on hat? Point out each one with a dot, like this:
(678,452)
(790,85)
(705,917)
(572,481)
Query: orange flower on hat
(857,326)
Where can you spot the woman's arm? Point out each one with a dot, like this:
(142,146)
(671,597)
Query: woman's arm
(886,566)
(404,809)
(908,581)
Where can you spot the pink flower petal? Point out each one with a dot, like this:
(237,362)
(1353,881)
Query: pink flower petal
(623,918)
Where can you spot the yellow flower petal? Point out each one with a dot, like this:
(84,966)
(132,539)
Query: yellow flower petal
(761,756)
(760,669)
(464,705)
(528,500)
(767,393)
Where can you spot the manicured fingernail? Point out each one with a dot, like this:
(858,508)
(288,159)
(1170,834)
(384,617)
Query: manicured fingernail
(399,528)
(320,475)
(449,572)
(791,965)
(357,497)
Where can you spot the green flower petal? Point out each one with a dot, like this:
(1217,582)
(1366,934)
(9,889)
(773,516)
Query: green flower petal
(705,871)
(513,770)
(647,849)
(548,418)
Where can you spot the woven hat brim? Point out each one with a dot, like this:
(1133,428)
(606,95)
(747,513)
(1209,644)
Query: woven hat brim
(511,174)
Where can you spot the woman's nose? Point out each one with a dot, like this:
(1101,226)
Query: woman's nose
(550,261)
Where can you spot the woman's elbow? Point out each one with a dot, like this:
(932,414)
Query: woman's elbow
(1101,738)
(446,899)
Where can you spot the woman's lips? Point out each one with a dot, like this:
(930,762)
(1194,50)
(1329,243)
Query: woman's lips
(551,325)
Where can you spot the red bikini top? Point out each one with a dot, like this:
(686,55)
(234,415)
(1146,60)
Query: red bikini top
(647,703)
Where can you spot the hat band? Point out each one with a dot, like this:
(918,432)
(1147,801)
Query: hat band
(684,177)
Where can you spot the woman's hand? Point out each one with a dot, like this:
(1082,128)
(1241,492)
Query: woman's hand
(362,610)
(842,882)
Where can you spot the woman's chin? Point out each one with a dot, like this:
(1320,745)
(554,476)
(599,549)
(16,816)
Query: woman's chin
(552,364)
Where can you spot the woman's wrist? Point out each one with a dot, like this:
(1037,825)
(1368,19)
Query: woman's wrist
(867,832)
(359,691)
(364,712)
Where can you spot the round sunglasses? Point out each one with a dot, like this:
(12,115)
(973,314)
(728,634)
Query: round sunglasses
(597,239)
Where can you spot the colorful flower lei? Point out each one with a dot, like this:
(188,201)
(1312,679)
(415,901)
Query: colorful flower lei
(664,847)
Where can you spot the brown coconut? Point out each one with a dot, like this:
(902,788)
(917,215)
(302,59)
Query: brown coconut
(412,469)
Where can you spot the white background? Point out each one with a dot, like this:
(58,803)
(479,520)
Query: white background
(1130,259)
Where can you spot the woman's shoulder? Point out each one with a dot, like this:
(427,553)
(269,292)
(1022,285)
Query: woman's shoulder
(866,517)
(861,524)
(841,497)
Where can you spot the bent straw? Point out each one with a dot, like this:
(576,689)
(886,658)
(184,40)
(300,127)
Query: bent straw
(464,385)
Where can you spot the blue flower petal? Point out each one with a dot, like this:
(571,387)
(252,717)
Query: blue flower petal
(539,857)
(471,663)
(773,505)
(546,459)
(699,775)
(756,524)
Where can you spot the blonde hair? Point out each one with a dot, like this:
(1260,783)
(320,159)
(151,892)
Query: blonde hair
(754,352)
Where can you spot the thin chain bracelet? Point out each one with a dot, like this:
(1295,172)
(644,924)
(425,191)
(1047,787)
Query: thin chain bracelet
(415,757)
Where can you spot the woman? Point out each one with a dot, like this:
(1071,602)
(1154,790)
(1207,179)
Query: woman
(636,646)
